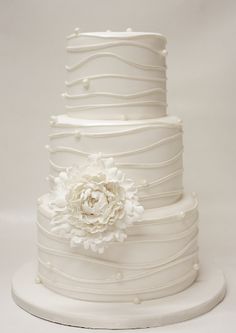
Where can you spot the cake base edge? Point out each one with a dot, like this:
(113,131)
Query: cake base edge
(203,295)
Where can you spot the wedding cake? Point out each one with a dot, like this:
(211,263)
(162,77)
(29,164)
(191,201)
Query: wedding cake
(116,226)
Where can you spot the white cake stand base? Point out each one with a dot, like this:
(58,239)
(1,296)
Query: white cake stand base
(202,296)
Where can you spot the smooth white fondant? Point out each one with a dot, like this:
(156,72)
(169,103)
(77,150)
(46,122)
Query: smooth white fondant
(157,258)
(110,67)
(149,150)
(198,299)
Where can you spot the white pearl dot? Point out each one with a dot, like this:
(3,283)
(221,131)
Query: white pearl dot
(76,31)
(37,280)
(49,265)
(47,147)
(164,52)
(63,95)
(86,83)
(144,182)
(39,201)
(119,276)
(129,29)
(196,267)
(136,300)
(108,30)
(181,215)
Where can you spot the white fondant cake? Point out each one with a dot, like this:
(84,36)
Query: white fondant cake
(116,112)
(116,75)
(116,225)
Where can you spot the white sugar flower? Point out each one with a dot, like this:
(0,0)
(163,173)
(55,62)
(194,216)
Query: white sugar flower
(94,204)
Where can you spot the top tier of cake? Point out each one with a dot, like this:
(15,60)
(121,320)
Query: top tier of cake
(116,75)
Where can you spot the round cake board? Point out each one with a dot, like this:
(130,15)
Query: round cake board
(208,290)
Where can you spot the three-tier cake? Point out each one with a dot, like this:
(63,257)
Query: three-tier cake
(116,228)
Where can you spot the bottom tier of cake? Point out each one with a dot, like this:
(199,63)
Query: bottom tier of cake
(159,257)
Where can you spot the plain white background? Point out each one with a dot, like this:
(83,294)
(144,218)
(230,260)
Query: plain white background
(201,90)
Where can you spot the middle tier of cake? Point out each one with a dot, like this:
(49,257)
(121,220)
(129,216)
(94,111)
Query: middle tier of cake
(148,151)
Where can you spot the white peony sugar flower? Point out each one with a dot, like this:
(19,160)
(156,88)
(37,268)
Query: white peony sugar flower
(94,204)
